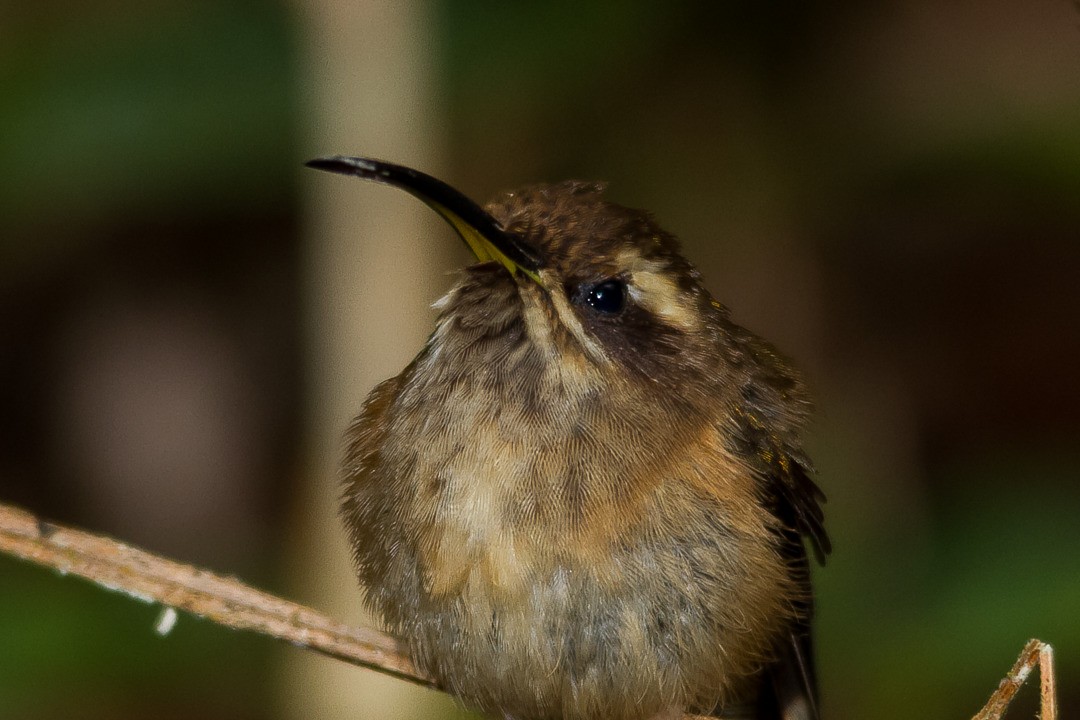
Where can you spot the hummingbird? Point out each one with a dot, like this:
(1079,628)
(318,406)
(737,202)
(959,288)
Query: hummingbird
(587,498)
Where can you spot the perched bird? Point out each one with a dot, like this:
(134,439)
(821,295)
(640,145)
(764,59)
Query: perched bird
(586,498)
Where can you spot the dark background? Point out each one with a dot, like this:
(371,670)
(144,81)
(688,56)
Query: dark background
(890,191)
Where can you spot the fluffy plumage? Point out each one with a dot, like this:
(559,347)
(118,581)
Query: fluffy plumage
(570,513)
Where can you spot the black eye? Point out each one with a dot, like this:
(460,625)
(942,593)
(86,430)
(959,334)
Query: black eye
(608,296)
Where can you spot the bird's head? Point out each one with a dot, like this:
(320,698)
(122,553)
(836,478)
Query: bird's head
(596,280)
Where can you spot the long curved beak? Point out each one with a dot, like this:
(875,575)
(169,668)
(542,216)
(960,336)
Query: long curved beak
(476,227)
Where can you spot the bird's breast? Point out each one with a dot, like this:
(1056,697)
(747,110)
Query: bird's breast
(548,536)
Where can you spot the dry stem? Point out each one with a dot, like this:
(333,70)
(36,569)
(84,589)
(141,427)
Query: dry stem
(1035,654)
(226,601)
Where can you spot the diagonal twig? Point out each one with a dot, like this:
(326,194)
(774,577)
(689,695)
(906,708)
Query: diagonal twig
(226,601)
(1036,654)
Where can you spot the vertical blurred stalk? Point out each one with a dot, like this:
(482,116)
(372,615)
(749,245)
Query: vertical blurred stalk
(374,265)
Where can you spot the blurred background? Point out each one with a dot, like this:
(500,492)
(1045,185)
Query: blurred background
(888,190)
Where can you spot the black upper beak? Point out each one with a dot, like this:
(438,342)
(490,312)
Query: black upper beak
(476,227)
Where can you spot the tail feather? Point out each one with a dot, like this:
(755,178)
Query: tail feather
(792,684)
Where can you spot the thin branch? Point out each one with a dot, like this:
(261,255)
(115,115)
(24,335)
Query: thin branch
(226,601)
(1036,654)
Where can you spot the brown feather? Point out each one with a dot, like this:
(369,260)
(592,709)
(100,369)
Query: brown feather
(567,513)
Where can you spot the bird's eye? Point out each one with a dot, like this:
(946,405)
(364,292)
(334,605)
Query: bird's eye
(607,296)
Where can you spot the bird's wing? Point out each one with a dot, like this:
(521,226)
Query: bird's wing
(791,693)
(768,418)
(795,499)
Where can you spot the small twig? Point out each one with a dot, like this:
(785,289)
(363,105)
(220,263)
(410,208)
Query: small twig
(1036,654)
(226,601)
